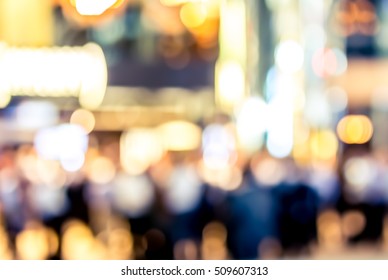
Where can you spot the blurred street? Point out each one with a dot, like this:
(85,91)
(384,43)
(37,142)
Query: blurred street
(193,129)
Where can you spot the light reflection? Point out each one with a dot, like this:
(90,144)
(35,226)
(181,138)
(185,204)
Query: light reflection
(132,195)
(36,242)
(230,83)
(101,170)
(193,14)
(355,129)
(189,136)
(251,124)
(51,72)
(139,149)
(289,56)
(93,8)
(324,145)
(83,118)
(228,178)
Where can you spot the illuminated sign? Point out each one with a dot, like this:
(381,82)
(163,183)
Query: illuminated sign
(54,72)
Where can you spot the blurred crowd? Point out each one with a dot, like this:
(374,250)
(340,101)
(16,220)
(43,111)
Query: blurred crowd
(182,208)
(183,129)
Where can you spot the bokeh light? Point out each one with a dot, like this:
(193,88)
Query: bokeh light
(251,124)
(359,173)
(289,56)
(83,118)
(139,149)
(185,190)
(355,129)
(218,146)
(189,136)
(193,14)
(132,195)
(324,144)
(36,114)
(101,170)
(230,83)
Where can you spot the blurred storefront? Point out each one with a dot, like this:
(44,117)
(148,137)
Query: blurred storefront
(193,129)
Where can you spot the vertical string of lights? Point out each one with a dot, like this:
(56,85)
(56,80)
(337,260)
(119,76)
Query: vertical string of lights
(284,79)
(320,105)
(230,72)
(326,103)
(322,142)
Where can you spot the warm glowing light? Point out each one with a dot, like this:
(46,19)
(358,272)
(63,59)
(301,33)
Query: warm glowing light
(228,178)
(213,245)
(355,129)
(92,7)
(95,77)
(54,72)
(139,149)
(180,135)
(251,124)
(193,14)
(91,12)
(357,17)
(33,243)
(289,56)
(280,137)
(37,27)
(78,243)
(329,229)
(119,243)
(233,30)
(5,251)
(268,172)
(230,76)
(83,118)
(230,83)
(353,223)
(324,144)
(180,2)
(215,230)
(101,170)
(49,172)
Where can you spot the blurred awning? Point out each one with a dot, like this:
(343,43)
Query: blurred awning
(363,78)
(122,108)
